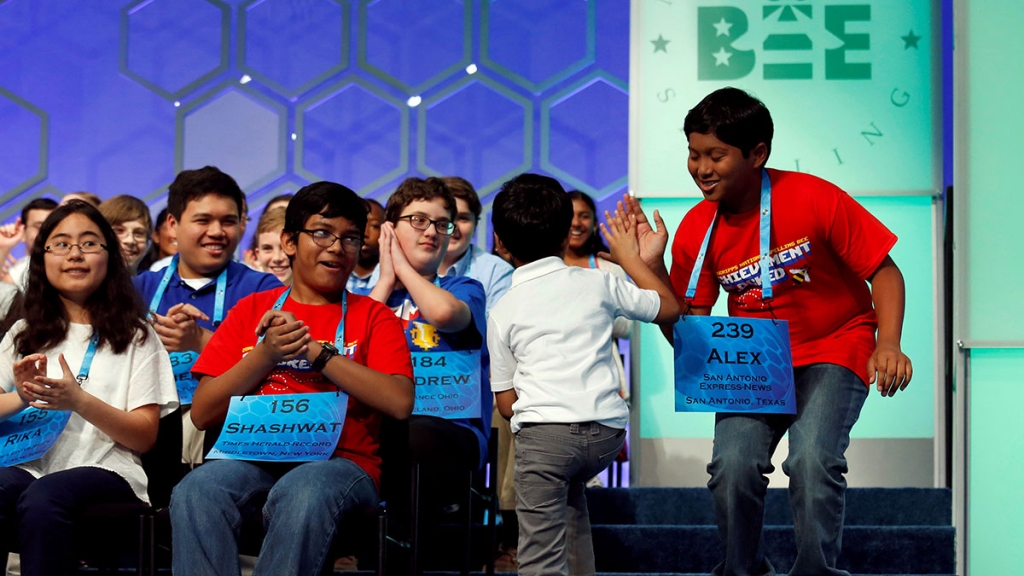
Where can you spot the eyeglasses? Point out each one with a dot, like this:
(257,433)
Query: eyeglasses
(139,236)
(443,227)
(64,248)
(325,239)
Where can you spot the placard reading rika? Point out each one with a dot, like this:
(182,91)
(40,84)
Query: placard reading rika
(29,434)
(447,383)
(282,427)
(729,364)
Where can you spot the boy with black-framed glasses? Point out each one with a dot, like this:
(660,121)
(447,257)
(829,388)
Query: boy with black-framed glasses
(445,324)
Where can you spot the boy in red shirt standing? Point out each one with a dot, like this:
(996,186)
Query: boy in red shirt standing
(315,338)
(824,250)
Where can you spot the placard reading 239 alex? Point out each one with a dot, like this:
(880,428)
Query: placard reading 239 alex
(730,364)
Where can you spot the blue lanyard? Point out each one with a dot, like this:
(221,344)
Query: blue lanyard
(592,261)
(218,302)
(765,232)
(339,334)
(83,372)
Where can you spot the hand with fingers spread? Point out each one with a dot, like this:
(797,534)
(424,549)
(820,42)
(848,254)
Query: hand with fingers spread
(284,338)
(619,232)
(889,369)
(26,370)
(179,329)
(62,393)
(652,242)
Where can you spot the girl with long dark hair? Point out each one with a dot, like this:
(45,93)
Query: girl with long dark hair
(82,355)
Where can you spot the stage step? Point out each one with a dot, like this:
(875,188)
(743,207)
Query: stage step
(671,532)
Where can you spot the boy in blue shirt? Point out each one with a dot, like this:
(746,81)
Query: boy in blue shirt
(190,298)
(445,323)
(552,366)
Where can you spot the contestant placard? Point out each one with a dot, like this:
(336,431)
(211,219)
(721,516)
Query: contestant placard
(728,364)
(282,427)
(447,383)
(29,434)
(181,363)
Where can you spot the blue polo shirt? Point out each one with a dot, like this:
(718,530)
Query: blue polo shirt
(472,337)
(241,282)
(494,273)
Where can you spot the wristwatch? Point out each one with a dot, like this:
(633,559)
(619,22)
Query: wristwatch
(327,352)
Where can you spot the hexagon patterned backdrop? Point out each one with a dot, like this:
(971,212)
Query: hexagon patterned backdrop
(116,96)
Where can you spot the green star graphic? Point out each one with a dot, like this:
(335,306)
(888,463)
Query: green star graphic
(910,40)
(660,45)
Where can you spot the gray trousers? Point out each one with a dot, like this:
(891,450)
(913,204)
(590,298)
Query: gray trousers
(553,464)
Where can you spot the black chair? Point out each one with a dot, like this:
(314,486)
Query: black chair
(480,485)
(103,524)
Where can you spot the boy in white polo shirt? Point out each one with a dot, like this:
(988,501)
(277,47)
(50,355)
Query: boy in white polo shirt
(552,368)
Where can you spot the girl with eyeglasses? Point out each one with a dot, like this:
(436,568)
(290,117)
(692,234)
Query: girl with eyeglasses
(84,361)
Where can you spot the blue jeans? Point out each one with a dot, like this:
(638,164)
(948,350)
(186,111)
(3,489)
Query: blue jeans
(303,507)
(828,399)
(553,464)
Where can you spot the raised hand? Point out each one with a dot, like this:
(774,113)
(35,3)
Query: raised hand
(652,242)
(11,234)
(619,232)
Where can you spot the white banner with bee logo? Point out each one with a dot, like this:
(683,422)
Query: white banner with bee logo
(851,85)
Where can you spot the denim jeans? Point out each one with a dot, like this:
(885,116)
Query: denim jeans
(303,507)
(829,399)
(44,511)
(553,464)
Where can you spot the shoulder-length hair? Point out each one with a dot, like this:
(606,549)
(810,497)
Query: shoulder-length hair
(115,308)
(594,243)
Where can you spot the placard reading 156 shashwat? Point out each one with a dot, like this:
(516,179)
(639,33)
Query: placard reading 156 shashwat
(728,364)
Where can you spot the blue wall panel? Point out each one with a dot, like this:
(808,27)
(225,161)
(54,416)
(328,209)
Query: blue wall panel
(116,96)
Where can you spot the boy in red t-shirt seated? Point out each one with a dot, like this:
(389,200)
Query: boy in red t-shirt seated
(297,354)
(825,249)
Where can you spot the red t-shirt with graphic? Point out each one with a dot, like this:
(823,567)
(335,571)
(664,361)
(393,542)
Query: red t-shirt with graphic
(824,246)
(373,338)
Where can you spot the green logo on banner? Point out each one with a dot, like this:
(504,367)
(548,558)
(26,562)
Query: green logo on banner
(785,38)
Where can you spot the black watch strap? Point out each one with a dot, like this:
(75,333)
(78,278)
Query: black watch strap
(328,352)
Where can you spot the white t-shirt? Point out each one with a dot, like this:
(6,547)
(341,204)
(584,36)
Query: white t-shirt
(139,376)
(550,338)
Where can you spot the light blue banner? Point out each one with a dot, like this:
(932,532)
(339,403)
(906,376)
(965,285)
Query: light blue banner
(730,364)
(447,383)
(282,427)
(29,434)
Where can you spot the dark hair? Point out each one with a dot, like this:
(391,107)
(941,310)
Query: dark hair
(461,188)
(594,243)
(37,204)
(279,198)
(734,117)
(161,218)
(370,203)
(327,199)
(413,189)
(192,185)
(532,215)
(115,308)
